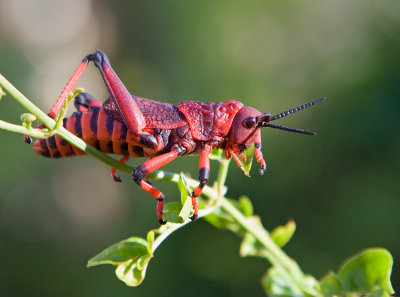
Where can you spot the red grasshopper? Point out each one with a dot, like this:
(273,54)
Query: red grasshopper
(135,127)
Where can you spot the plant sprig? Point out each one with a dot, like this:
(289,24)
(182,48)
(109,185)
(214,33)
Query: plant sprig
(367,273)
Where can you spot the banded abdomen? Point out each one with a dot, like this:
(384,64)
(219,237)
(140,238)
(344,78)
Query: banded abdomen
(96,128)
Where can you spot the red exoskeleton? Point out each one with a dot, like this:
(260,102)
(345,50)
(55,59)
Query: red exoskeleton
(135,127)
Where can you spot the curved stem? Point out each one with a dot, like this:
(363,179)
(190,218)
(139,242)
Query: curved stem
(20,129)
(263,237)
(173,227)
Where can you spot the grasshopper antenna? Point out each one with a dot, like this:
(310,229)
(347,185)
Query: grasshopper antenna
(265,118)
(300,131)
(293,110)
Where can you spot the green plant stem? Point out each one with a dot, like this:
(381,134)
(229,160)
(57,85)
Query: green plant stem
(17,95)
(20,129)
(222,174)
(275,255)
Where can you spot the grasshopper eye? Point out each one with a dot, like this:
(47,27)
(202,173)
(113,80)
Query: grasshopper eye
(250,122)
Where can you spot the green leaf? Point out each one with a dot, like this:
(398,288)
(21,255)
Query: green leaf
(246,164)
(222,220)
(175,212)
(367,271)
(132,248)
(131,256)
(133,272)
(250,246)
(151,236)
(330,285)
(183,188)
(277,282)
(27,119)
(186,210)
(245,206)
(282,234)
(172,211)
(378,293)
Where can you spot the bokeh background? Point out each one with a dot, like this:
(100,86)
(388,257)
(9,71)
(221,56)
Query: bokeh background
(341,187)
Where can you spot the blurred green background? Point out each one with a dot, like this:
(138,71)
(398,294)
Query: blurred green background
(341,187)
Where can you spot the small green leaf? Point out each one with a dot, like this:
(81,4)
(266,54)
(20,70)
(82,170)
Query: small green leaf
(222,220)
(183,188)
(278,282)
(133,272)
(129,249)
(282,234)
(216,154)
(131,257)
(250,246)
(246,164)
(249,153)
(378,293)
(186,210)
(150,237)
(175,212)
(330,285)
(172,211)
(27,119)
(367,271)
(245,206)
